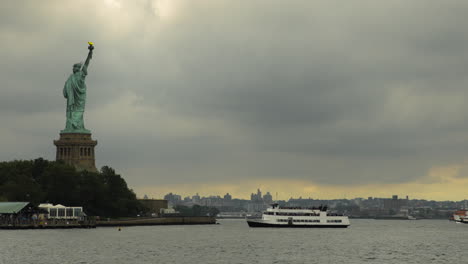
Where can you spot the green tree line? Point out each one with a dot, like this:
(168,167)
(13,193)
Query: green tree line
(104,193)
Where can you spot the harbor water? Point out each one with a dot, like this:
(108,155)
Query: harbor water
(232,241)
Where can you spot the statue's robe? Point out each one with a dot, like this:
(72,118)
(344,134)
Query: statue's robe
(75,92)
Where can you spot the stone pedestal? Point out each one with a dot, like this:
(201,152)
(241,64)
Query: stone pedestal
(76,149)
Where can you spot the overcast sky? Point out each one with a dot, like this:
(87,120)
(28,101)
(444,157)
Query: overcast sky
(326,99)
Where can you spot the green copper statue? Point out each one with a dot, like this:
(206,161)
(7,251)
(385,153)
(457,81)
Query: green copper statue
(75,93)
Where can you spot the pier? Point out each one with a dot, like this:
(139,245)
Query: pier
(31,224)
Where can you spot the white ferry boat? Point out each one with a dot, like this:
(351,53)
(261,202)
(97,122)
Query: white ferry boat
(460,216)
(299,217)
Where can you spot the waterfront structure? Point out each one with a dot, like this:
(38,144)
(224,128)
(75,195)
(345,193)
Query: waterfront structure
(277,216)
(154,206)
(23,215)
(14,208)
(17,213)
(59,211)
(75,146)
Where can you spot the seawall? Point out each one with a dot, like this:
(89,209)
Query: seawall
(181,220)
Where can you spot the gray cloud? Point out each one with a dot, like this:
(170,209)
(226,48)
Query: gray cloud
(331,92)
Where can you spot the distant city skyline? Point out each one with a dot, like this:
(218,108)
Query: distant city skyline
(274,196)
(394,207)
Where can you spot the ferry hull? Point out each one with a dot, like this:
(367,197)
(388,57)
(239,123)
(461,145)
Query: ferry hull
(263,224)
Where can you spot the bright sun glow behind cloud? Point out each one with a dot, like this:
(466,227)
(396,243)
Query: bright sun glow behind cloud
(164,9)
(113,3)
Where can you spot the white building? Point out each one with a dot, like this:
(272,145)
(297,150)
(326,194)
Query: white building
(59,211)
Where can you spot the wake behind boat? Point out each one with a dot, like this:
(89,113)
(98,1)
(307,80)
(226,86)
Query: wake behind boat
(299,217)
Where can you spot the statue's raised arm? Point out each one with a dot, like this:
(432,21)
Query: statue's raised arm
(90,56)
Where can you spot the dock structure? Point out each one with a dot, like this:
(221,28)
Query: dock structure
(47,225)
(179,220)
(23,215)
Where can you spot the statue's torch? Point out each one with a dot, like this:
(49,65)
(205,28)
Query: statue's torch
(91,45)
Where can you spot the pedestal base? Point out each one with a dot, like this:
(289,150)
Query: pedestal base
(77,149)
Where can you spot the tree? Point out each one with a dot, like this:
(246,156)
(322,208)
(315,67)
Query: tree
(105,193)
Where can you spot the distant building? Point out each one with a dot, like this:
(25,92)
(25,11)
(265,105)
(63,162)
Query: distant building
(257,203)
(173,199)
(256,197)
(394,204)
(213,201)
(267,198)
(196,199)
(227,197)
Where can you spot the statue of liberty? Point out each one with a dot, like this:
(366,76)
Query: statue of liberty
(75,93)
